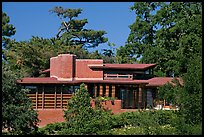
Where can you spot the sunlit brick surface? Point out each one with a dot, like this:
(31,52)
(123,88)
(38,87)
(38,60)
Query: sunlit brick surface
(48,116)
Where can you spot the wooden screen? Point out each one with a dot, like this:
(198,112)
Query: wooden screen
(49,101)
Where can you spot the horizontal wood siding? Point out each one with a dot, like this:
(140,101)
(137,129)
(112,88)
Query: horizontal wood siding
(52,101)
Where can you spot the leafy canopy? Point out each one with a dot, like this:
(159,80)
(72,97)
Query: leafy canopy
(167,34)
(18,117)
(73,32)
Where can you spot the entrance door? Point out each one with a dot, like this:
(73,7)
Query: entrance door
(123,97)
(127,97)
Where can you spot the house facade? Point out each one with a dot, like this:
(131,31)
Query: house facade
(133,84)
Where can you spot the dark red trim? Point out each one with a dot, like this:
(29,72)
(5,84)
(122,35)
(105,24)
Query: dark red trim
(123,66)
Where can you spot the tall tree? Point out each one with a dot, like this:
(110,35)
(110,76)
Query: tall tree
(189,96)
(142,32)
(109,53)
(18,117)
(72,31)
(167,34)
(8,30)
(33,56)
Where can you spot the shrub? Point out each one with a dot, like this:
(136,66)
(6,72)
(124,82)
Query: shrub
(134,118)
(163,117)
(128,130)
(51,129)
(81,118)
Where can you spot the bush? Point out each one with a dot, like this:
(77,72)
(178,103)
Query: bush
(188,129)
(145,122)
(163,117)
(134,118)
(128,130)
(81,118)
(51,129)
(128,123)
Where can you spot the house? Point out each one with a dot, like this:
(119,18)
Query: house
(134,85)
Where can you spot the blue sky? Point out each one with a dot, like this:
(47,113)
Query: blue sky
(33,19)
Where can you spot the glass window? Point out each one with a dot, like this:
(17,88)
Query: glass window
(147,71)
(32,88)
(67,89)
(76,88)
(49,89)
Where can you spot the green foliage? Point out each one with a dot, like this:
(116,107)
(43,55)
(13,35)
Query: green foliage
(33,56)
(109,52)
(30,57)
(104,98)
(81,118)
(78,106)
(18,117)
(51,129)
(159,73)
(170,34)
(7,31)
(73,32)
(189,96)
(170,93)
(134,119)
(167,34)
(128,130)
(159,122)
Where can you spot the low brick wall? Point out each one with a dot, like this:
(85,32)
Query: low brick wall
(48,116)
(113,105)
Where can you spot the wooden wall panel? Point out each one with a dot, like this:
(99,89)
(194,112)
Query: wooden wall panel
(107,90)
(101,91)
(113,90)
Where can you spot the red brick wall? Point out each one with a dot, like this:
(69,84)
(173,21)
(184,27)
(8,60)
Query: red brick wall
(83,70)
(54,66)
(48,116)
(116,106)
(63,66)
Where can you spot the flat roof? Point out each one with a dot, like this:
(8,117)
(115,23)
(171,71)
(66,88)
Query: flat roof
(115,66)
(159,81)
(123,66)
(153,82)
(52,80)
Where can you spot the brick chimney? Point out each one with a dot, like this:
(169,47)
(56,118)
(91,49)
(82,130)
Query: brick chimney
(63,66)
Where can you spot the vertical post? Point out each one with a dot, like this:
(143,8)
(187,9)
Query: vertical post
(107,90)
(144,98)
(36,100)
(95,89)
(134,95)
(140,97)
(164,102)
(101,90)
(55,98)
(127,99)
(113,90)
(43,97)
(61,98)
